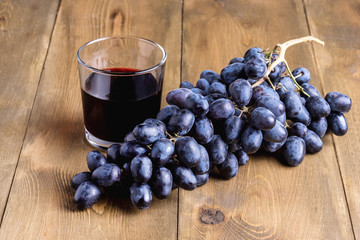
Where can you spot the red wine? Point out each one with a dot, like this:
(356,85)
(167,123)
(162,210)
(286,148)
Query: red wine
(114,104)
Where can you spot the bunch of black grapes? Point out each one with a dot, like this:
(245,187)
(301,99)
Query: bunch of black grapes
(213,127)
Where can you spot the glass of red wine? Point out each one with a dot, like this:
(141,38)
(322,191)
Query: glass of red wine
(121,82)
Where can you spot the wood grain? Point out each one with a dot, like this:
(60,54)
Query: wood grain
(25,29)
(40,204)
(339,26)
(267,200)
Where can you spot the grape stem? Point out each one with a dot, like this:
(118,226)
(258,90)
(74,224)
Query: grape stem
(281,58)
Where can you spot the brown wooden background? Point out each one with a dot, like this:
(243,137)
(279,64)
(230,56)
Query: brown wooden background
(41,133)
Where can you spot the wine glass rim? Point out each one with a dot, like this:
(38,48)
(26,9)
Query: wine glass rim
(106,72)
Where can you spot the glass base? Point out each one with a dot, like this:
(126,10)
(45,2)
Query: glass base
(97,142)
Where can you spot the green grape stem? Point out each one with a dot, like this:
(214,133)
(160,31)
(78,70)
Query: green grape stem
(281,58)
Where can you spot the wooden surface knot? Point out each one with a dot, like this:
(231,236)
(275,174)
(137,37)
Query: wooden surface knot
(211,216)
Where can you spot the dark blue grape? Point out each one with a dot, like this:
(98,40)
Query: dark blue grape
(277,107)
(140,195)
(288,83)
(269,91)
(255,68)
(262,118)
(86,195)
(202,179)
(214,96)
(188,151)
(203,130)
(197,104)
(229,168)
(204,164)
(294,150)
(161,183)
(198,91)
(141,169)
(95,159)
(165,114)
(80,178)
(298,129)
(338,102)
(107,175)
(282,118)
(210,76)
(233,127)
(186,84)
(251,139)
(313,142)
(319,126)
(218,87)
(273,146)
(309,89)
(184,178)
(295,111)
(257,92)
(177,97)
(160,124)
(317,107)
(217,149)
(282,65)
(221,109)
(304,75)
(275,73)
(181,122)
(129,137)
(337,123)
(162,150)
(277,134)
(231,72)
(129,150)
(241,92)
(147,133)
(241,157)
(236,60)
(113,154)
(254,50)
(259,56)
(204,85)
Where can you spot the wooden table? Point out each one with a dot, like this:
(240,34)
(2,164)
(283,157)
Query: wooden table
(42,144)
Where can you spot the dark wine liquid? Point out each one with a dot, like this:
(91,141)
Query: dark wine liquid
(114,105)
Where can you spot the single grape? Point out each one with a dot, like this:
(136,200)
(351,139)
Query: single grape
(204,85)
(257,92)
(217,149)
(302,75)
(107,175)
(294,150)
(229,168)
(277,134)
(233,127)
(188,151)
(282,118)
(177,96)
(275,73)
(241,92)
(203,130)
(129,137)
(186,84)
(295,110)
(86,195)
(113,154)
(288,83)
(241,157)
(160,124)
(338,102)
(204,164)
(309,89)
(165,114)
(313,142)
(184,178)
(232,72)
(269,91)
(255,68)
(252,51)
(181,122)
(319,126)
(202,179)
(262,118)
(140,195)
(147,133)
(337,123)
(95,159)
(317,107)
(198,91)
(251,139)
(272,146)
(80,178)
(141,169)
(218,87)
(210,76)
(197,104)
(276,106)
(162,150)
(236,60)
(129,150)
(298,129)
(161,183)
(221,109)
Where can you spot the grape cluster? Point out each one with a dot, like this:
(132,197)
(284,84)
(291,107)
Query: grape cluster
(213,127)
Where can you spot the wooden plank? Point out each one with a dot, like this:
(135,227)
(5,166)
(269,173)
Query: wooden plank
(267,200)
(40,204)
(25,29)
(339,26)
